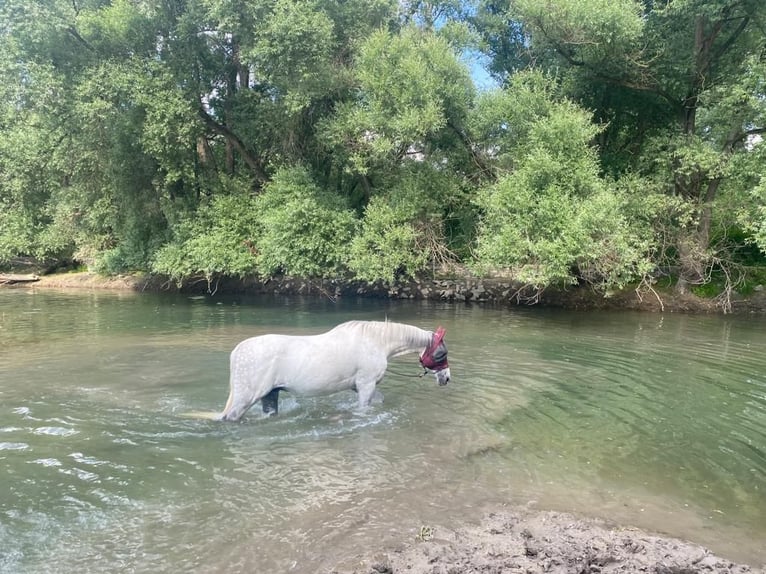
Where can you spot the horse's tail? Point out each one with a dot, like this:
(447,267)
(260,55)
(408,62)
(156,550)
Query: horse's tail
(205,415)
(211,416)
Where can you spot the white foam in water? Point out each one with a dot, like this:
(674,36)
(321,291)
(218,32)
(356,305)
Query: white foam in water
(55,431)
(46,461)
(111,498)
(125,441)
(13,446)
(339,426)
(81,474)
(172,404)
(80,457)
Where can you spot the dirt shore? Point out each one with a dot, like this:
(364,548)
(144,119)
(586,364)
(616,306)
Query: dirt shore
(530,542)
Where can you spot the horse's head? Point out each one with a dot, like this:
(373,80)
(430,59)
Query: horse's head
(434,358)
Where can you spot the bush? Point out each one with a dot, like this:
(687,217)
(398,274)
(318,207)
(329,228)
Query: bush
(552,218)
(387,244)
(217,239)
(304,230)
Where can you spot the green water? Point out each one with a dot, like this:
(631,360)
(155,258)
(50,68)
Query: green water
(657,421)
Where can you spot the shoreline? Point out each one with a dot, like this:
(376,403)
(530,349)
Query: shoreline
(490,291)
(521,540)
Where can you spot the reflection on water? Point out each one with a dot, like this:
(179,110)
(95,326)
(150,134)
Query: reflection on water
(657,421)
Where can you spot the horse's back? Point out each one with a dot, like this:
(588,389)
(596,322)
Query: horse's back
(275,345)
(310,364)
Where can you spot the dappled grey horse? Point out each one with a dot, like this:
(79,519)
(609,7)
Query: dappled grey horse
(353,355)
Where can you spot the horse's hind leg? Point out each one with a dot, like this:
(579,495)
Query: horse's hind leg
(270,402)
(237,404)
(236,410)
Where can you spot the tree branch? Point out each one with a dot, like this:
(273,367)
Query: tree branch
(76,35)
(253,161)
(733,38)
(740,136)
(569,56)
(475,156)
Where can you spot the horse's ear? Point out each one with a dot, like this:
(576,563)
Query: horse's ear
(439,334)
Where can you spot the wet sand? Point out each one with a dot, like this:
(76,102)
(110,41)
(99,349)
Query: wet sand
(531,542)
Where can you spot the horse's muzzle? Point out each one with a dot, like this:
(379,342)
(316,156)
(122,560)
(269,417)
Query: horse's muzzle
(442,377)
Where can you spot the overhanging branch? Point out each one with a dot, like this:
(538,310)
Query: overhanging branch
(741,136)
(252,160)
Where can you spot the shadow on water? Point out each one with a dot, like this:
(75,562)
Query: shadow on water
(656,421)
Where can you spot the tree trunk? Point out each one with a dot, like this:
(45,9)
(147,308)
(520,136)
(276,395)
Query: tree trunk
(693,247)
(232,89)
(12,278)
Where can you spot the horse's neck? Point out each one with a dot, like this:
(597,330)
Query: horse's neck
(396,338)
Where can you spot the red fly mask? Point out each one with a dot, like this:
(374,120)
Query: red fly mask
(434,358)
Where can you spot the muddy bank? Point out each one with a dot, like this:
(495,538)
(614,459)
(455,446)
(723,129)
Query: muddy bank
(455,290)
(532,542)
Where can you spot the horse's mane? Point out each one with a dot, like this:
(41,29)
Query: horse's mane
(388,332)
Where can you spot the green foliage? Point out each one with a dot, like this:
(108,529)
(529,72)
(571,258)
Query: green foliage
(755,278)
(218,239)
(756,220)
(386,245)
(603,32)
(305,231)
(118,28)
(412,86)
(16,232)
(502,119)
(679,89)
(406,229)
(294,48)
(536,228)
(165,136)
(168,123)
(552,219)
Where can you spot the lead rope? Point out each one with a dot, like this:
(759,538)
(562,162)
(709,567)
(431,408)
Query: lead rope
(408,376)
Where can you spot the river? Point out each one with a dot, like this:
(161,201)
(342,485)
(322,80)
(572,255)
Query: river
(651,420)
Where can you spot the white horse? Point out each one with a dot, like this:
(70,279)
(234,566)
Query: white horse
(353,355)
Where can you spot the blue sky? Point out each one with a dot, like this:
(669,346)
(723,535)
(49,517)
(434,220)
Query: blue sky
(477,64)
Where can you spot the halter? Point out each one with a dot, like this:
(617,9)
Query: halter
(434,357)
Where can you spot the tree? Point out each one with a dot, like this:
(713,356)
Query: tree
(403,145)
(551,218)
(215,240)
(81,76)
(413,97)
(123,118)
(652,72)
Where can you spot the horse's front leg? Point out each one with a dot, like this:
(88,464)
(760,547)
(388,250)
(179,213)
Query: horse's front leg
(366,392)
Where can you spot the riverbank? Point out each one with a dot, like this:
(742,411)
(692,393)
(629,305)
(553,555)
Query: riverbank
(457,290)
(537,542)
